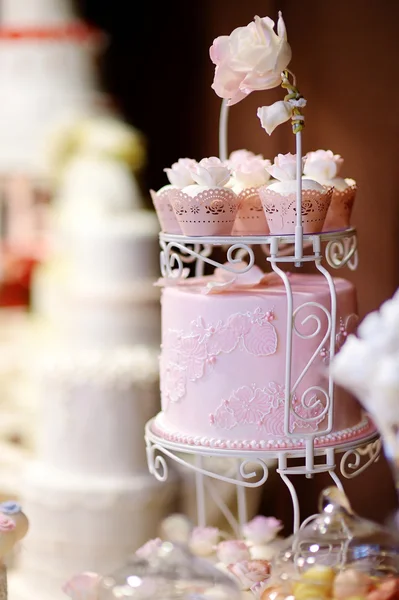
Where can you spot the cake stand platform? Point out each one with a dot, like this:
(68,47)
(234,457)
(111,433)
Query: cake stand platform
(250,468)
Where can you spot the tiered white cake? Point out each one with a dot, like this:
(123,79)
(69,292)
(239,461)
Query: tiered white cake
(47,69)
(88,494)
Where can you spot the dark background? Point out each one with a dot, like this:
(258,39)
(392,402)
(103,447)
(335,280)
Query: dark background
(345,55)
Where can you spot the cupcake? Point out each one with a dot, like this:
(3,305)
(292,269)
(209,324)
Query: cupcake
(14,511)
(324,166)
(179,176)
(207,207)
(279,199)
(249,173)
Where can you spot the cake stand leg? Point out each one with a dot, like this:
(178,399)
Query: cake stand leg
(200,489)
(282,465)
(3,582)
(242,509)
(331,462)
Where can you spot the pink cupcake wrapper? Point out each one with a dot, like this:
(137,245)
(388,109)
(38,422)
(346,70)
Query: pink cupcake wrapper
(250,219)
(280,211)
(340,209)
(211,212)
(163,208)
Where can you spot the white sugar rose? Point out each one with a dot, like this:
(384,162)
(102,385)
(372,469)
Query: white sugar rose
(210,172)
(284,167)
(179,174)
(261,530)
(322,165)
(251,58)
(203,540)
(251,172)
(239,156)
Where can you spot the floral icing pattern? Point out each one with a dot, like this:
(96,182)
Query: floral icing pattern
(264,407)
(187,357)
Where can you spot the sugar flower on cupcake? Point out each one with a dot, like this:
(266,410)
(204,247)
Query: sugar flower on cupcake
(249,173)
(279,198)
(208,206)
(325,167)
(284,171)
(248,170)
(179,176)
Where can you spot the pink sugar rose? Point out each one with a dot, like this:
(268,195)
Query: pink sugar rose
(251,58)
(284,167)
(322,165)
(261,530)
(232,551)
(179,174)
(203,540)
(149,548)
(83,587)
(211,172)
(250,572)
(6,524)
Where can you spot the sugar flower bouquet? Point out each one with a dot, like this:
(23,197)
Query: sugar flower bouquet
(368,366)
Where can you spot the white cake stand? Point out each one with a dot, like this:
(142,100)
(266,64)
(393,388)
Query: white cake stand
(317,451)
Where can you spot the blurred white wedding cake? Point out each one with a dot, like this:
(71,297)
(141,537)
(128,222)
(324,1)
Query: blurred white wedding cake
(48,72)
(94,359)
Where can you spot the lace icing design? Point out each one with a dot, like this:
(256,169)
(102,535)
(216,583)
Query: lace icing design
(264,408)
(187,357)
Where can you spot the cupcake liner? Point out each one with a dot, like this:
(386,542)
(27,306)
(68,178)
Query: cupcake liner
(210,212)
(280,211)
(250,219)
(164,210)
(340,209)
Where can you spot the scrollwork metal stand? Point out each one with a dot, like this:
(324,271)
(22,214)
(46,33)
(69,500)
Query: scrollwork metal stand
(250,468)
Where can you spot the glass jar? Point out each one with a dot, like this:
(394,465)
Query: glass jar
(170,572)
(336,554)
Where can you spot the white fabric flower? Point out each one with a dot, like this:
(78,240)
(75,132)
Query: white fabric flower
(210,172)
(179,174)
(281,111)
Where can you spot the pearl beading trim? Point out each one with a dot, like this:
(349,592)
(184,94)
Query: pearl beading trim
(360,430)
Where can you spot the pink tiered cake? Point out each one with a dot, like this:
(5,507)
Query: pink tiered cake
(223,364)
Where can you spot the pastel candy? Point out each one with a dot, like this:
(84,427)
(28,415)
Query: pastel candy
(309,591)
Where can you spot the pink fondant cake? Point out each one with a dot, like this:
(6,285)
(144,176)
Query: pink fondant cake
(223,364)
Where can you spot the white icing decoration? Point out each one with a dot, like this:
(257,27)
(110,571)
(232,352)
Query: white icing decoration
(265,409)
(189,355)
